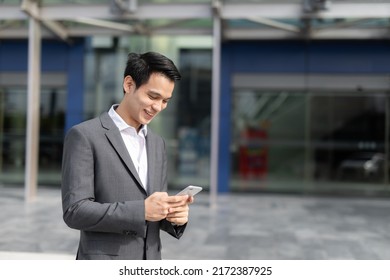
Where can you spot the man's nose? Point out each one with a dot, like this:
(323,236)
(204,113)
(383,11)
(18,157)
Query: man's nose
(157,106)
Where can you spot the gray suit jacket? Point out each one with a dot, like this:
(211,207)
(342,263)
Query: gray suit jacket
(103,197)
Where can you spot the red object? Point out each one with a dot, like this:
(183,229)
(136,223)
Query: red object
(253,154)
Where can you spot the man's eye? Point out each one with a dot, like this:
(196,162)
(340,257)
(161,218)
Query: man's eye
(152,97)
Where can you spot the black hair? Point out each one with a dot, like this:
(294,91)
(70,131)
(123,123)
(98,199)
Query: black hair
(141,66)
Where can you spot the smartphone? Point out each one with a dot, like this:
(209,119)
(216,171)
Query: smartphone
(190,190)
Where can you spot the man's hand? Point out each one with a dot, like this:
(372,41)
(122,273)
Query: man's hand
(159,205)
(178,213)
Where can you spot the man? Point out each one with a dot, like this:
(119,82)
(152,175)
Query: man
(114,179)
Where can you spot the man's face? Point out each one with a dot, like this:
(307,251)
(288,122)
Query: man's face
(141,105)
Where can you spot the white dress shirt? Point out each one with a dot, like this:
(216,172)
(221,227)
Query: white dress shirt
(135,144)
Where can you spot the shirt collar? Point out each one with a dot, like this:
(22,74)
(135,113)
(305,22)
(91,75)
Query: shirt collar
(121,124)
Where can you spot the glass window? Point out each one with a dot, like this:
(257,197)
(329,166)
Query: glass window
(103,79)
(290,141)
(268,139)
(348,137)
(52,123)
(192,161)
(13,134)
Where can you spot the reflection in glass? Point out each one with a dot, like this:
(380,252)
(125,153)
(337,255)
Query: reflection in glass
(289,140)
(13,134)
(268,139)
(348,137)
(193,119)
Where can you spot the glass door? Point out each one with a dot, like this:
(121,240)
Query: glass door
(319,141)
(268,141)
(348,138)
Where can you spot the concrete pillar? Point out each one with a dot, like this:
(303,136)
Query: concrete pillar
(33,113)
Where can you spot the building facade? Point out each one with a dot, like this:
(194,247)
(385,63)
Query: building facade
(296,95)
(295,116)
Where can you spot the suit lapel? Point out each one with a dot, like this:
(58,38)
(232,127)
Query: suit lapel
(114,137)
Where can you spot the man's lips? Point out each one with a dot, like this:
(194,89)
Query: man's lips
(151,115)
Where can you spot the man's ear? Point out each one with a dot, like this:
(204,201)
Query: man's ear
(128,84)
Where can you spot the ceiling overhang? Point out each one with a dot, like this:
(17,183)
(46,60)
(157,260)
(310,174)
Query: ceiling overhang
(241,21)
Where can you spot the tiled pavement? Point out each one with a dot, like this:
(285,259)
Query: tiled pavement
(242,226)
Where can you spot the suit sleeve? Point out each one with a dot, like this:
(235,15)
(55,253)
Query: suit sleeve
(80,210)
(175,231)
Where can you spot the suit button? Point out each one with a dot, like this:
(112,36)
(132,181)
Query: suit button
(130,232)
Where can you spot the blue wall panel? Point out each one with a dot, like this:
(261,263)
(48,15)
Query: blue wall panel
(75,89)
(227,62)
(349,57)
(13,55)
(55,56)
(265,57)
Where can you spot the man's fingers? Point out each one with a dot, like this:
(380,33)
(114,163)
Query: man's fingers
(179,220)
(176,198)
(179,209)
